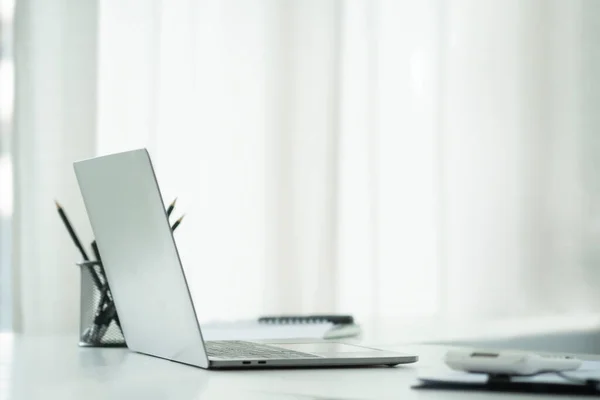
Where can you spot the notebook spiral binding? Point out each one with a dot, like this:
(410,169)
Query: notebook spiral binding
(308,319)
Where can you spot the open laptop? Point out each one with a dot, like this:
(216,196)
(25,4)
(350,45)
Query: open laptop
(149,286)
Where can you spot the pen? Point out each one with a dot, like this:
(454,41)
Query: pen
(171,207)
(72,233)
(102,321)
(96,251)
(99,259)
(105,297)
(104,289)
(176,224)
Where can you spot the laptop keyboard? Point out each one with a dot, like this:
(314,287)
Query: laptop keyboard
(237,349)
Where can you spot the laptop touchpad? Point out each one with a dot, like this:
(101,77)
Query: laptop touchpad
(323,348)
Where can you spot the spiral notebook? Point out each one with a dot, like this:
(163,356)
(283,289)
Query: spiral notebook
(282,327)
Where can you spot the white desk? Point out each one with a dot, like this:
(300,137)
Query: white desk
(55,368)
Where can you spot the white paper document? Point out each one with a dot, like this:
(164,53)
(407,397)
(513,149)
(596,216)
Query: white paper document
(252,330)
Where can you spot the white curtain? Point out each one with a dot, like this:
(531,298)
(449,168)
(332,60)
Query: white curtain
(386,158)
(54,125)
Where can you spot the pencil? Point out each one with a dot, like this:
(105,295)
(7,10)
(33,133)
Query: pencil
(171,207)
(176,224)
(72,233)
(96,251)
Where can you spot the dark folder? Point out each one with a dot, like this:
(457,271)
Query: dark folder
(548,383)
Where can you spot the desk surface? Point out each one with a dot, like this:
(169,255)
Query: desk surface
(53,367)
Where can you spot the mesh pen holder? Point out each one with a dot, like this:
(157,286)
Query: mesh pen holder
(98,320)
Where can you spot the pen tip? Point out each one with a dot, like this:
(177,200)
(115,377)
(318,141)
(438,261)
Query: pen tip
(56,202)
(180,218)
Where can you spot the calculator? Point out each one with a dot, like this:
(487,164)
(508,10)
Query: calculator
(508,362)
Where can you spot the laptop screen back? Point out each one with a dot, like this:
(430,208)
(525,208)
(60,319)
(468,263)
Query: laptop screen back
(139,255)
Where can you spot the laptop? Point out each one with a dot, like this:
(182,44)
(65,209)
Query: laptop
(149,286)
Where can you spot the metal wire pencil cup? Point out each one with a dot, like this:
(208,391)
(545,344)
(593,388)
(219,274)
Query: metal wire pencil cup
(99,324)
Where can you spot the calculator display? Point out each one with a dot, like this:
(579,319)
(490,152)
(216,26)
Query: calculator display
(484,355)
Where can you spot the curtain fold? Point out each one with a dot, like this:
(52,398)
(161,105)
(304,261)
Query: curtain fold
(516,184)
(55,125)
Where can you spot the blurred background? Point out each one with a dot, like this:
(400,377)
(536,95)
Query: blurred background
(395,159)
